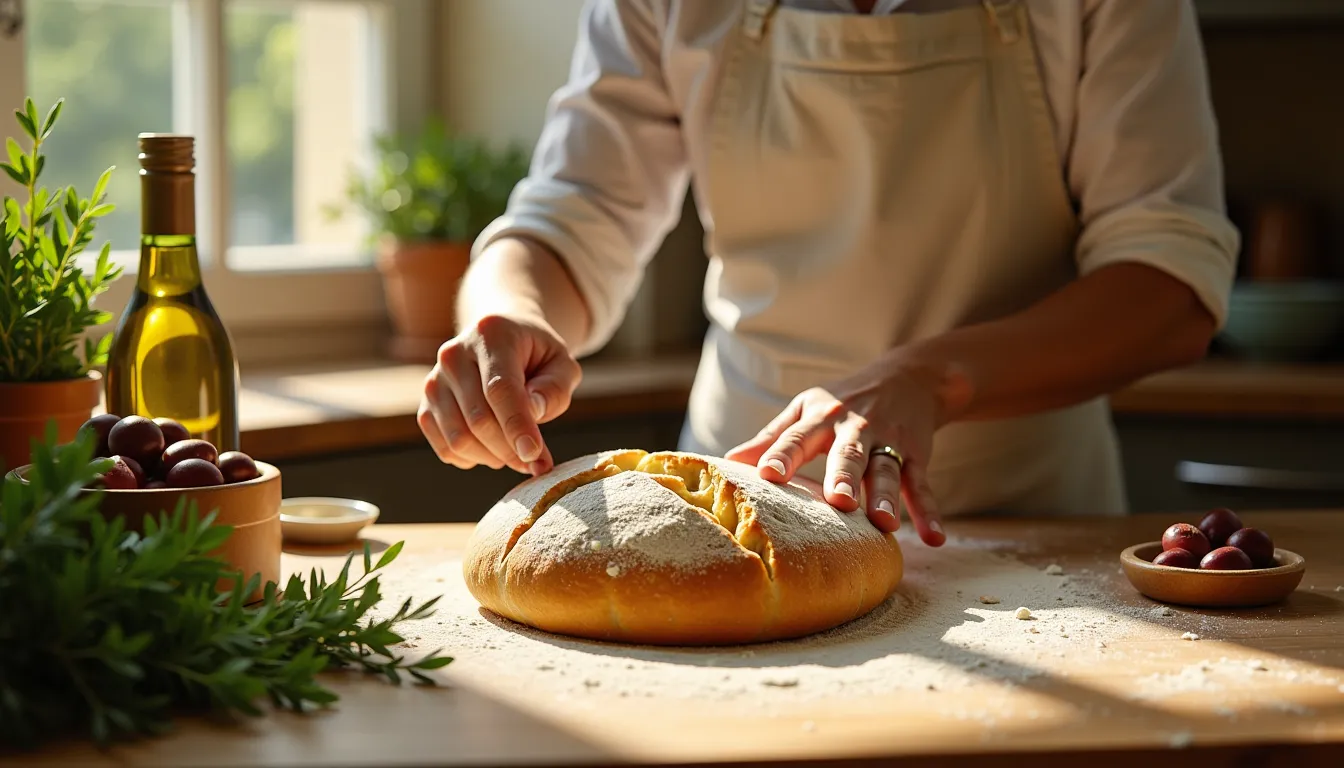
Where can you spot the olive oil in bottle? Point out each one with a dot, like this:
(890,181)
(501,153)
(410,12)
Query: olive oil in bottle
(171,355)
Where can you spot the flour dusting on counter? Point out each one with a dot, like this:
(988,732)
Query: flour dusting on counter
(939,633)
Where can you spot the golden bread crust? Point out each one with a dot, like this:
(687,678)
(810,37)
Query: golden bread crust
(675,549)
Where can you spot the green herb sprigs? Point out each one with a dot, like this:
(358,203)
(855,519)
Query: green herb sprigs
(107,631)
(46,299)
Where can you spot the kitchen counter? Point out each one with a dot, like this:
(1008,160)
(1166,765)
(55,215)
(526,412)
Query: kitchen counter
(1078,704)
(315,410)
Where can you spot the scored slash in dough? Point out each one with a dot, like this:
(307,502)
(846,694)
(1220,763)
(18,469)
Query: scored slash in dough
(694,550)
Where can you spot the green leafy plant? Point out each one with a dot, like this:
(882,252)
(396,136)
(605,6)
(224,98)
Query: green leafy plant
(46,299)
(108,632)
(435,185)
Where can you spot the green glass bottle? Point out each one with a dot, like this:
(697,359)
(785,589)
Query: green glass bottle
(171,355)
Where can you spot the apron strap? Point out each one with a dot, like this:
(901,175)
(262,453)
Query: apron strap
(758,12)
(1004,17)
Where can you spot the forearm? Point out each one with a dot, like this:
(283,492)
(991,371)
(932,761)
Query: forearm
(1094,336)
(521,278)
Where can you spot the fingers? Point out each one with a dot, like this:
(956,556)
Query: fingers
(846,464)
(882,483)
(752,451)
(551,387)
(795,446)
(511,411)
(441,422)
(920,503)
(460,382)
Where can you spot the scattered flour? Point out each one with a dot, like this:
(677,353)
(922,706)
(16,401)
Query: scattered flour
(1161,611)
(933,637)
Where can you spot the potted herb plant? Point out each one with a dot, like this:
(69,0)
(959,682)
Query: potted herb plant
(427,197)
(46,298)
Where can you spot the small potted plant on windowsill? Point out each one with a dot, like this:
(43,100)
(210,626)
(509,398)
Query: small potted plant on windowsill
(428,196)
(46,299)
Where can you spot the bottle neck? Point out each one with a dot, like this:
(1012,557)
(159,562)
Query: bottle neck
(169,265)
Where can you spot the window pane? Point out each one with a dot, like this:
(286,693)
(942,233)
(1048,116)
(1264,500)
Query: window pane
(298,120)
(111,60)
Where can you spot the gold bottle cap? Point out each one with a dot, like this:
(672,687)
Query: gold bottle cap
(167,153)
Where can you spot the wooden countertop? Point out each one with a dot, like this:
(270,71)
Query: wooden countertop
(1070,710)
(315,410)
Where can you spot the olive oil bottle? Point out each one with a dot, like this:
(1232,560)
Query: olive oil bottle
(171,355)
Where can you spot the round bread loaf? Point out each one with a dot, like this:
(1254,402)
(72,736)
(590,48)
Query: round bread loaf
(676,549)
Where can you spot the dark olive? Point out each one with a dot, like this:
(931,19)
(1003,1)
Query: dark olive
(194,473)
(100,425)
(1256,544)
(188,449)
(1177,558)
(119,478)
(136,469)
(238,467)
(1218,525)
(155,485)
(1226,559)
(137,437)
(173,432)
(1188,537)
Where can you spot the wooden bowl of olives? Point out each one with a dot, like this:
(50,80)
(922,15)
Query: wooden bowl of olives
(1217,564)
(157,465)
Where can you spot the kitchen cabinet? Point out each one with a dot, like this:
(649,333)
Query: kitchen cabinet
(1177,463)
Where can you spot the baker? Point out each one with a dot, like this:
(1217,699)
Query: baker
(940,232)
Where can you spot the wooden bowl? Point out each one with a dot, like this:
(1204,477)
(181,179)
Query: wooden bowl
(1211,589)
(252,507)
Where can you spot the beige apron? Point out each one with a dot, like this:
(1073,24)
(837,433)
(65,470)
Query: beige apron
(875,180)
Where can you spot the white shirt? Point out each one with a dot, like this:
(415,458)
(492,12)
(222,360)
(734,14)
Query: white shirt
(1128,96)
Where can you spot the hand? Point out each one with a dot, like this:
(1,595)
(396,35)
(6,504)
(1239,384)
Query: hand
(493,384)
(889,404)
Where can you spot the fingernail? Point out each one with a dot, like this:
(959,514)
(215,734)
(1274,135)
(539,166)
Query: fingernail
(536,468)
(776,465)
(538,405)
(936,526)
(884,506)
(527,448)
(844,489)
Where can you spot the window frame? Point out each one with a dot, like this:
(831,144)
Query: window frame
(273,315)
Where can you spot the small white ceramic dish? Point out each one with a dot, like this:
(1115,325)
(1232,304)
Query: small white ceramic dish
(323,520)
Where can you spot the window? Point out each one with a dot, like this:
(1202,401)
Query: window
(283,96)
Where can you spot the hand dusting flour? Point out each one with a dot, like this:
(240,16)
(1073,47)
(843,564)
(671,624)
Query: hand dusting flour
(965,615)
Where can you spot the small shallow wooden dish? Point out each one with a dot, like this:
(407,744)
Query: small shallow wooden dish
(324,520)
(1211,589)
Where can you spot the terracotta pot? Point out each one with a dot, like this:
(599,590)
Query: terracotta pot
(420,280)
(26,408)
(251,507)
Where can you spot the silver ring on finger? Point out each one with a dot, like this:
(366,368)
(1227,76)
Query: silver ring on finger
(891,453)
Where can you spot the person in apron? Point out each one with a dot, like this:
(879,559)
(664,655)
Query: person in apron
(929,262)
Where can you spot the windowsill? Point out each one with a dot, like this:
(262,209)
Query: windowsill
(320,409)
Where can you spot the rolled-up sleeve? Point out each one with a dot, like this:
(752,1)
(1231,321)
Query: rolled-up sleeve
(609,173)
(1145,165)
